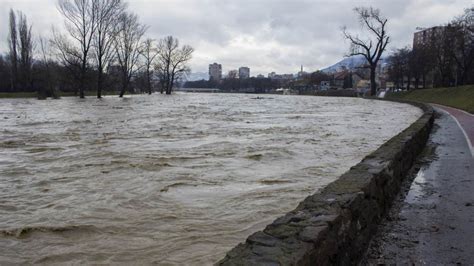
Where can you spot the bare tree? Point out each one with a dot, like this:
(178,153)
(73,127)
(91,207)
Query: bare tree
(462,50)
(68,55)
(373,47)
(161,74)
(106,14)
(26,46)
(48,72)
(172,61)
(21,47)
(149,54)
(128,46)
(233,74)
(13,54)
(440,47)
(402,68)
(80,22)
(422,62)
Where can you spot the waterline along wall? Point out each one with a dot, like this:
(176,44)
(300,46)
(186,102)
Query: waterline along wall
(334,226)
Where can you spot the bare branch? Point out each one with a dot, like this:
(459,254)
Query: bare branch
(371,19)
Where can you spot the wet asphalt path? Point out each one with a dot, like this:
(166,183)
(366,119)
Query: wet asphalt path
(464,120)
(432,223)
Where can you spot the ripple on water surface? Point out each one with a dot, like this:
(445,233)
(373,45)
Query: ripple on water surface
(170,180)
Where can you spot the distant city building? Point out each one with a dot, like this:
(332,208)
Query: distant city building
(244,73)
(286,76)
(302,72)
(260,76)
(325,85)
(425,36)
(273,75)
(346,79)
(215,72)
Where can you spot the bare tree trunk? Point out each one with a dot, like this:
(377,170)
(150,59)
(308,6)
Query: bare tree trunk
(163,85)
(408,82)
(82,84)
(124,83)
(373,84)
(424,80)
(99,80)
(148,81)
(12,39)
(122,92)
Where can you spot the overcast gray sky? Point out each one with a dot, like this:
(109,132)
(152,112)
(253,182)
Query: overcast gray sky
(265,35)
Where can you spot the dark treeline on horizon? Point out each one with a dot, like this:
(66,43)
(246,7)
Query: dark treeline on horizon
(102,49)
(442,57)
(303,83)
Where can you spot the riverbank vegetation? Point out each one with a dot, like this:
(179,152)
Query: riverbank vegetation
(459,97)
(441,56)
(102,48)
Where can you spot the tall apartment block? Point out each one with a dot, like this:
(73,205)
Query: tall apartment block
(215,72)
(244,73)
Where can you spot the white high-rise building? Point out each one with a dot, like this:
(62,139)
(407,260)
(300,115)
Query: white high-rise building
(244,73)
(215,72)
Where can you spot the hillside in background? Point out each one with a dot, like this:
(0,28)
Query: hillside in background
(348,62)
(193,76)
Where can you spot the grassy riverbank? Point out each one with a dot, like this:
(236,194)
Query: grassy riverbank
(35,95)
(18,95)
(459,97)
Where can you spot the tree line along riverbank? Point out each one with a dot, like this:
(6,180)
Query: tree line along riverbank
(459,97)
(89,93)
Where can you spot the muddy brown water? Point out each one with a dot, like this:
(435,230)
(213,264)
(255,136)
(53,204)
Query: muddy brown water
(170,180)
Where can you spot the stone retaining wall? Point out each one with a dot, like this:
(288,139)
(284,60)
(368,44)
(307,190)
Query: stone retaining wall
(337,93)
(334,226)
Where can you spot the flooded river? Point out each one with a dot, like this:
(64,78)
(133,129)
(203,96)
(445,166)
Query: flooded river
(170,180)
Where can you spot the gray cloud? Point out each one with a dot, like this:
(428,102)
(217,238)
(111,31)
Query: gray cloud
(266,35)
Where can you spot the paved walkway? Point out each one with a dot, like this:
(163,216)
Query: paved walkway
(464,119)
(432,223)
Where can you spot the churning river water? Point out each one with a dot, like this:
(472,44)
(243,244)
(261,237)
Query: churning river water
(170,180)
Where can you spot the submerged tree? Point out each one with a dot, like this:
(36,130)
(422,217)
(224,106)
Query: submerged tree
(127,40)
(149,53)
(13,54)
(172,62)
(81,25)
(21,46)
(372,47)
(26,46)
(107,13)
(68,56)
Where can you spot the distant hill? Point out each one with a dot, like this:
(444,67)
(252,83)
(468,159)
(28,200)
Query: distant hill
(197,76)
(349,63)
